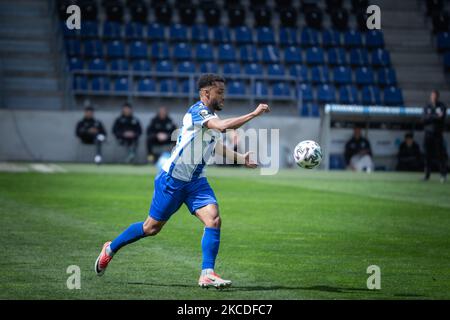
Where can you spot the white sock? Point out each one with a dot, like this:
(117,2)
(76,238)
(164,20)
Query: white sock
(109,251)
(207,271)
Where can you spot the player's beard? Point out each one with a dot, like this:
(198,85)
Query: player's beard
(215,105)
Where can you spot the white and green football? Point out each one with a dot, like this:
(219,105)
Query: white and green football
(308,154)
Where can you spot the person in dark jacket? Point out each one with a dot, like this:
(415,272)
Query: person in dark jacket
(127,130)
(358,153)
(91,131)
(159,132)
(434,115)
(409,156)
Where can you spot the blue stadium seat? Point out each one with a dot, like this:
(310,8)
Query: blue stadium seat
(300,72)
(304,111)
(226,53)
(97,64)
(232,68)
(331,38)
(73,47)
(200,33)
(320,75)
(112,30)
(253,69)
(119,65)
(326,94)
(221,34)
(315,56)
(364,76)
(337,162)
(178,32)
(186,86)
(315,111)
(248,53)
(80,82)
(387,77)
(275,70)
(348,95)
(75,63)
(138,50)
(381,58)
(93,49)
(288,37)
(155,32)
(309,37)
(359,57)
(337,56)
(204,52)
(305,92)
(243,35)
(342,75)
(236,88)
(100,84)
(68,33)
(270,54)
(443,41)
(260,89)
(115,49)
(209,67)
(447,61)
(374,39)
(393,96)
(186,67)
(281,89)
(182,51)
(160,51)
(89,29)
(164,66)
(121,84)
(265,35)
(353,39)
(134,30)
(146,85)
(293,54)
(168,86)
(371,96)
(141,65)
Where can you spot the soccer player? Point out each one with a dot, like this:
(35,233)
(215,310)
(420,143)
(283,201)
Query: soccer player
(183,181)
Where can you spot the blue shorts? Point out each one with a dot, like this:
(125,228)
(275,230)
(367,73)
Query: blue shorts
(171,193)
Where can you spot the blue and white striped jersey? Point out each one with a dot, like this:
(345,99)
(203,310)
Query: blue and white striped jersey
(194,145)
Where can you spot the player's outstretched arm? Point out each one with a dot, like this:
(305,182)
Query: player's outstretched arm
(233,123)
(234,156)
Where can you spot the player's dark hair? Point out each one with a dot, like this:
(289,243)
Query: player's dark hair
(209,79)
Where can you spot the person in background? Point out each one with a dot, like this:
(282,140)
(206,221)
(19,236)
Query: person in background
(409,156)
(91,131)
(358,153)
(159,132)
(434,115)
(127,130)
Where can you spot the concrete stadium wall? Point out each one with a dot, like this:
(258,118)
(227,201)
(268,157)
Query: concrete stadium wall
(50,135)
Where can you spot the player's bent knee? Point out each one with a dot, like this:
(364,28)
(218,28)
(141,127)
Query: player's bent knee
(214,222)
(152,227)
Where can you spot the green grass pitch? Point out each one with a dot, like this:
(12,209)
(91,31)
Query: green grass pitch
(296,235)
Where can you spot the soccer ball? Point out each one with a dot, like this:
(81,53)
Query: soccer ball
(308,154)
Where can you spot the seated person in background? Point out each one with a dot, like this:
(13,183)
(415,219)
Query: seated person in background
(358,154)
(127,129)
(159,133)
(409,156)
(91,131)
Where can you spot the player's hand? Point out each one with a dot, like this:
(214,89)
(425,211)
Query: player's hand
(249,163)
(261,108)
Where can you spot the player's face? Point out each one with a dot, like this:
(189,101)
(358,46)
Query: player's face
(217,96)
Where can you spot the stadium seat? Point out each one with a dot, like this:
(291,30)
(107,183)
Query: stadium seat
(163,14)
(200,33)
(73,47)
(364,76)
(262,14)
(236,88)
(243,35)
(115,49)
(138,11)
(253,69)
(314,110)
(381,58)
(393,96)
(221,34)
(138,50)
(315,56)
(309,38)
(281,89)
(182,51)
(260,89)
(75,63)
(359,57)
(114,11)
(326,94)
(121,84)
(187,14)
(168,86)
(119,65)
(100,84)
(164,66)
(337,162)
(226,53)
(204,52)
(447,61)
(134,30)
(331,38)
(348,95)
(141,65)
(387,77)
(342,75)
(232,68)
(93,49)
(374,39)
(288,17)
(275,70)
(80,82)
(443,41)
(265,35)
(337,56)
(270,54)
(236,16)
(146,85)
(313,17)
(97,64)
(300,72)
(248,53)
(186,86)
(177,33)
(288,37)
(339,18)
(155,32)
(209,67)
(293,55)
(160,51)
(320,75)
(186,67)
(370,96)
(305,93)
(211,15)
(353,39)
(89,29)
